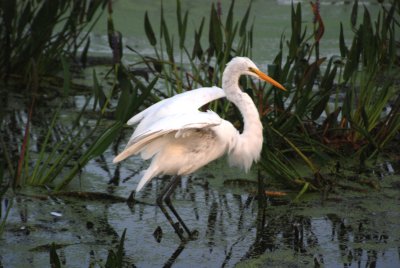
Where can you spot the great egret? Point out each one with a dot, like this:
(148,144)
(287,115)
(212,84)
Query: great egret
(181,139)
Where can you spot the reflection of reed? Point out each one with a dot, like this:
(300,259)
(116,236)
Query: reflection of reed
(211,222)
(247,226)
(232,228)
(225,214)
(351,238)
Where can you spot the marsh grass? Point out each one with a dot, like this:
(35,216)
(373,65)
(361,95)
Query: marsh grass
(59,160)
(302,125)
(61,155)
(43,31)
(357,127)
(54,154)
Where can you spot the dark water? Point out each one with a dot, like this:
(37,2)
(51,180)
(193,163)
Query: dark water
(347,229)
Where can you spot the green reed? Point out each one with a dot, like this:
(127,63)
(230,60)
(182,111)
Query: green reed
(305,127)
(43,31)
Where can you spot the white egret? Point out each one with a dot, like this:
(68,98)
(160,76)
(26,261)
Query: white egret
(180,138)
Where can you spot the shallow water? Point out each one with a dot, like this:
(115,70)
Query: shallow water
(347,229)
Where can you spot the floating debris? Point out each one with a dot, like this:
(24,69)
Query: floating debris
(56,214)
(275,193)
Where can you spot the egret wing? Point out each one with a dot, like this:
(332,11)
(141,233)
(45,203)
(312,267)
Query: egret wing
(173,123)
(175,112)
(176,122)
(186,101)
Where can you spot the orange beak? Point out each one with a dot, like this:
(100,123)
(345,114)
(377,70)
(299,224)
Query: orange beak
(268,79)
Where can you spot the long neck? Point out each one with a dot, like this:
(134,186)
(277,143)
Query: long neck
(249,142)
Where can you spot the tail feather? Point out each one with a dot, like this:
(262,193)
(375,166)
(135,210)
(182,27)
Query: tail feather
(148,174)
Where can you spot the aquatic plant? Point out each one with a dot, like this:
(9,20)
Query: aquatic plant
(61,155)
(42,31)
(192,67)
(305,124)
(38,38)
(45,166)
(301,125)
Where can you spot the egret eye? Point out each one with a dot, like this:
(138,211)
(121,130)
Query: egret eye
(251,69)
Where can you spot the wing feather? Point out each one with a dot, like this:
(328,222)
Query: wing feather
(181,121)
(187,101)
(175,123)
(178,113)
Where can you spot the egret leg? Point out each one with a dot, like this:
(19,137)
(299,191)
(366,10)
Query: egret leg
(165,196)
(160,200)
(168,202)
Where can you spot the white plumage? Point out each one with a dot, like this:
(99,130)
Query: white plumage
(181,139)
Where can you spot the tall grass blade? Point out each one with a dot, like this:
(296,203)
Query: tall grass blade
(354,11)
(229,18)
(149,30)
(85,53)
(215,34)
(66,76)
(34,176)
(243,24)
(99,96)
(8,203)
(96,149)
(342,44)
(197,49)
(302,192)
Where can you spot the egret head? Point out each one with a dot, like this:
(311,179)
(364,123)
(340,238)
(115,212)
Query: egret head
(244,66)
